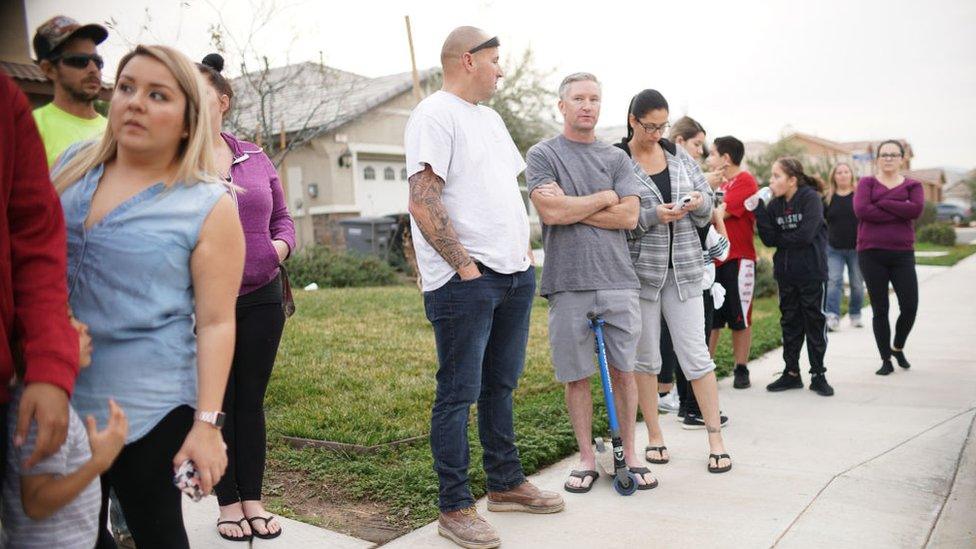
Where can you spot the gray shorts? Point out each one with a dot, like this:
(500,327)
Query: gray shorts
(686,322)
(571,339)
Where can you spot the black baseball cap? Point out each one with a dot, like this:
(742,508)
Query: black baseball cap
(58,30)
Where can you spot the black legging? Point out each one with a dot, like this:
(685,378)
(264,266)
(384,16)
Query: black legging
(669,359)
(142,477)
(259,329)
(879,267)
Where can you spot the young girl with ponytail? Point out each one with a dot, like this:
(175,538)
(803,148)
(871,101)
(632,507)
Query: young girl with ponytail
(793,223)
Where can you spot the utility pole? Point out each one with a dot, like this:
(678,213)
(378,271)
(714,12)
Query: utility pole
(413,61)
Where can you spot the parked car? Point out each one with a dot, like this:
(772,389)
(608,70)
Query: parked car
(945,211)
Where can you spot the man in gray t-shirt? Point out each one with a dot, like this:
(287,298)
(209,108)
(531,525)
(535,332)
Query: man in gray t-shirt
(587,194)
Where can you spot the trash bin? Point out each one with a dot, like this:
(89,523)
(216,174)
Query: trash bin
(369,235)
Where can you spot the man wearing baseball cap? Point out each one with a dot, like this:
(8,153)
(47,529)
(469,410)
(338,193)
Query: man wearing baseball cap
(66,54)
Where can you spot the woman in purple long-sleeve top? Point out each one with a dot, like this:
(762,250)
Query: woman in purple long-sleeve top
(269,236)
(887,205)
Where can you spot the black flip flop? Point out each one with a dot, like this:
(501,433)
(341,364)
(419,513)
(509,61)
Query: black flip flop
(717,458)
(582,475)
(641,471)
(238,523)
(266,520)
(660,450)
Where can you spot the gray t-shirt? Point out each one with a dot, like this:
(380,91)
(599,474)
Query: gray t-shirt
(581,257)
(73,526)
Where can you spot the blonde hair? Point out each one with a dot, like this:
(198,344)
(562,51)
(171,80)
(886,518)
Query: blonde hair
(196,158)
(832,181)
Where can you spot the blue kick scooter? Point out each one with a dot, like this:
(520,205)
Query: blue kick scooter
(624,482)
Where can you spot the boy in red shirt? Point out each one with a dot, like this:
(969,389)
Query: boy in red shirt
(737,274)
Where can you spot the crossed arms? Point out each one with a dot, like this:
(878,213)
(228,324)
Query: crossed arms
(604,209)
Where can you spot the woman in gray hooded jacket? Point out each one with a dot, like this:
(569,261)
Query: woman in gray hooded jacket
(667,256)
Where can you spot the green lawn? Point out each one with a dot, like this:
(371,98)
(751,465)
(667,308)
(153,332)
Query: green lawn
(357,366)
(956,254)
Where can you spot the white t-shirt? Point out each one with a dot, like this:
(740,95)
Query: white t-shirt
(469,148)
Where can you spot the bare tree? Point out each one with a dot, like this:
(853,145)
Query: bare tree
(280,108)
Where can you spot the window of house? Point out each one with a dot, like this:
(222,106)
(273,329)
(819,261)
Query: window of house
(389,174)
(369,172)
(403,174)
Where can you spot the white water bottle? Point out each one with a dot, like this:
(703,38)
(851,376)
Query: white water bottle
(763,195)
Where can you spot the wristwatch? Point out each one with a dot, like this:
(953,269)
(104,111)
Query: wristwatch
(214,418)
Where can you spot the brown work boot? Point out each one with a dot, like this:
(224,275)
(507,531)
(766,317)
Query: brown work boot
(466,528)
(526,498)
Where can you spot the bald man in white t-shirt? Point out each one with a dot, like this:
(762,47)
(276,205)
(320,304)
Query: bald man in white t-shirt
(471,237)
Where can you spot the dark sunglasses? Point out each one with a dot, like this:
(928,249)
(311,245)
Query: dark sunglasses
(490,43)
(80,60)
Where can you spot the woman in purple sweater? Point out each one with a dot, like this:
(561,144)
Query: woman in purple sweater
(887,205)
(269,237)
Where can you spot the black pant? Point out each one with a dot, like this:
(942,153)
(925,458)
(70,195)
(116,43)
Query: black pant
(142,477)
(686,396)
(802,306)
(879,267)
(259,330)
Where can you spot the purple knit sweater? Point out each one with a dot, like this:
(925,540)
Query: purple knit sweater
(263,211)
(887,215)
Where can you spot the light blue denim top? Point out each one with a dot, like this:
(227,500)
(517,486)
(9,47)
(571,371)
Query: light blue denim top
(129,280)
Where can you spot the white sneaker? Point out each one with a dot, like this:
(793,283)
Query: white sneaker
(856,322)
(669,402)
(833,323)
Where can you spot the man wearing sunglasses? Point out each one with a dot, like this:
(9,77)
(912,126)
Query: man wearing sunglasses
(471,237)
(66,54)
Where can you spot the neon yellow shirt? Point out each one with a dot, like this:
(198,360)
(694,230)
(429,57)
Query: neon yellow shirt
(59,129)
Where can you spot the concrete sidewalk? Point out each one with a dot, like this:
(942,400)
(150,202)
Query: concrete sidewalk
(873,466)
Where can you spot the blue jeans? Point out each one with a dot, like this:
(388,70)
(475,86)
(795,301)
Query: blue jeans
(836,261)
(481,328)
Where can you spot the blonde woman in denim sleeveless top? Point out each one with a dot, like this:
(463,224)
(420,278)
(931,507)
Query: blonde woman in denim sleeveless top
(155,257)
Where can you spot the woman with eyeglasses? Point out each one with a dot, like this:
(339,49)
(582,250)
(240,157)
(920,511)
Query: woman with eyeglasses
(887,204)
(667,255)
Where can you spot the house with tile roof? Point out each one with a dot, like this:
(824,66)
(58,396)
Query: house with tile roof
(351,161)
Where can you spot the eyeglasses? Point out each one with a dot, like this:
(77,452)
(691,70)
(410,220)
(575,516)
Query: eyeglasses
(651,128)
(890,155)
(80,60)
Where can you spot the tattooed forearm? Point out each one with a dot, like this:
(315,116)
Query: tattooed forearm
(431,216)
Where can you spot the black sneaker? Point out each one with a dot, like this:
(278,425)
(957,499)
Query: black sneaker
(694,421)
(741,380)
(900,357)
(819,384)
(682,410)
(886,368)
(785,382)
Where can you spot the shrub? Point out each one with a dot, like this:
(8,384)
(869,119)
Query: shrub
(938,233)
(765,283)
(327,268)
(927,217)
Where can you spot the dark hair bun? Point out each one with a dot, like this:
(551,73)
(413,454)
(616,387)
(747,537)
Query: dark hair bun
(215,61)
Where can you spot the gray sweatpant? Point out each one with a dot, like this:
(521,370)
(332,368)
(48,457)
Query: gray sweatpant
(686,322)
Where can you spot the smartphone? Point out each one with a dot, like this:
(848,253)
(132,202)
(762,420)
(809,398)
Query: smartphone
(187,479)
(685,200)
(719,197)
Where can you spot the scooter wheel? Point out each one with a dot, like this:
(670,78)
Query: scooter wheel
(600,445)
(625,486)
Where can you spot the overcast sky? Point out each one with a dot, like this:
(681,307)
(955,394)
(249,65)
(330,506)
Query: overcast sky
(839,69)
